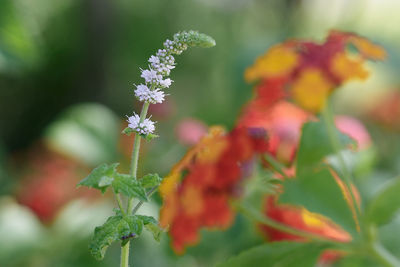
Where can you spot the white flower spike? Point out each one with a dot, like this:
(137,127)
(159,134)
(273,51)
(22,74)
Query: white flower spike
(160,67)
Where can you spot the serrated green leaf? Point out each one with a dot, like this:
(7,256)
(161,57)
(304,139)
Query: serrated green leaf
(282,254)
(155,230)
(105,181)
(129,186)
(150,137)
(315,144)
(116,228)
(128,131)
(318,192)
(101,177)
(385,204)
(147,219)
(150,180)
(151,225)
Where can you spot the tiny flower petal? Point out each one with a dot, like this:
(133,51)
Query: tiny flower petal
(150,76)
(165,83)
(154,60)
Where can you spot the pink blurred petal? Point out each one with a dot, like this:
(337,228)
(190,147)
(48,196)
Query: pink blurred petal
(190,131)
(355,129)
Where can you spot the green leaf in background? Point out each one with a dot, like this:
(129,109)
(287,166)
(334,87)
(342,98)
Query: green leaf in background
(101,177)
(315,144)
(114,229)
(314,186)
(129,186)
(385,204)
(151,225)
(318,192)
(150,180)
(280,254)
(18,45)
(354,261)
(86,132)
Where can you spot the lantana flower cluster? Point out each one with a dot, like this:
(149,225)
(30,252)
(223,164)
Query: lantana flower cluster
(313,71)
(197,192)
(156,76)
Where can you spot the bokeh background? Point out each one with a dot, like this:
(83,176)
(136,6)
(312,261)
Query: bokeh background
(67,70)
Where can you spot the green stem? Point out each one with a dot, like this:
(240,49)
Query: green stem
(133,172)
(125,255)
(383,256)
(119,201)
(135,153)
(277,166)
(334,138)
(378,252)
(149,194)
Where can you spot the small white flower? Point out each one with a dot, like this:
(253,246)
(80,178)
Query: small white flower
(144,94)
(133,121)
(154,60)
(150,76)
(157,96)
(146,127)
(165,83)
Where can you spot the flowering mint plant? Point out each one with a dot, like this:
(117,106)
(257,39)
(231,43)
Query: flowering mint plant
(126,225)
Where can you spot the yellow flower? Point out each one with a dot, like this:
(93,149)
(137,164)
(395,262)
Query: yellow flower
(277,61)
(347,68)
(368,49)
(311,89)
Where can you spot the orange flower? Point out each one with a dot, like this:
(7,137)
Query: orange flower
(301,219)
(196,193)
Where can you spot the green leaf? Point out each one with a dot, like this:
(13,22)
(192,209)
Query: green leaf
(278,254)
(151,225)
(147,219)
(128,131)
(354,261)
(150,180)
(315,145)
(150,137)
(129,186)
(318,192)
(314,187)
(86,132)
(114,229)
(385,204)
(155,230)
(101,177)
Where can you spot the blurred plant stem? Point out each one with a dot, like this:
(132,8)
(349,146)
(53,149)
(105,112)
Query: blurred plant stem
(133,172)
(380,253)
(327,114)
